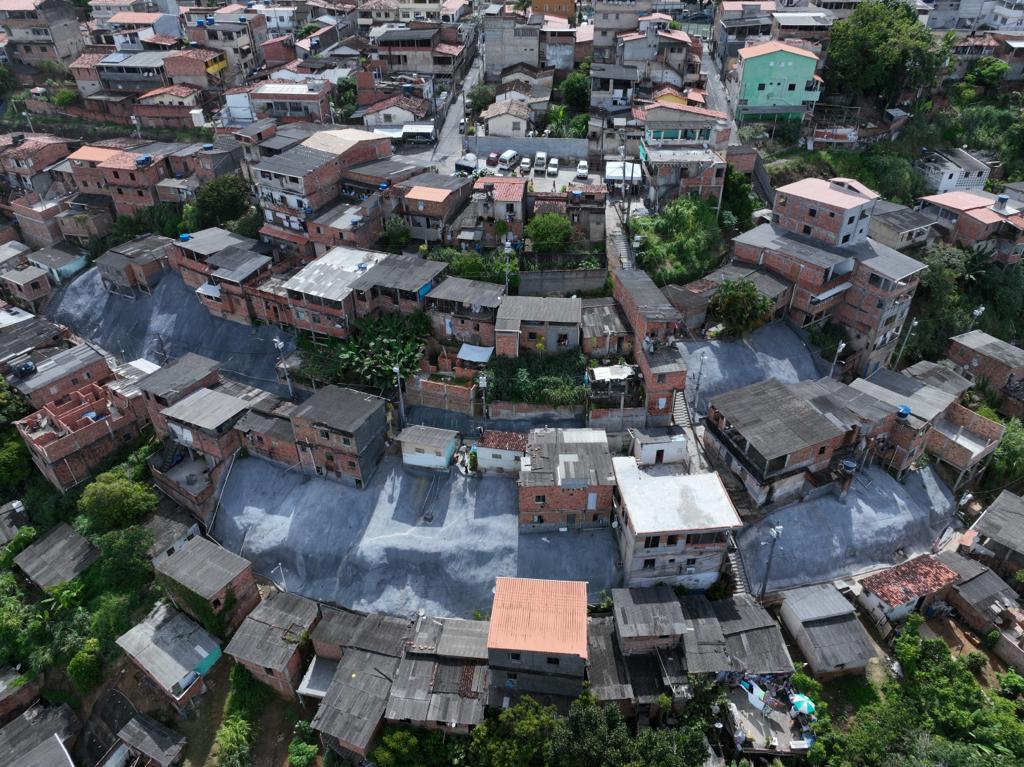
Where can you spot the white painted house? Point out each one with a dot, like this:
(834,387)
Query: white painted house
(428,447)
(397,110)
(507,118)
(500,451)
(655,445)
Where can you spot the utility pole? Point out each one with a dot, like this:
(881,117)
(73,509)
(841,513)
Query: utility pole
(839,348)
(279,345)
(401,400)
(28,119)
(696,388)
(910,331)
(775,533)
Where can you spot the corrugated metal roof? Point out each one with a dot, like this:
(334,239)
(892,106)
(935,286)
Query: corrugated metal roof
(57,557)
(272,633)
(202,567)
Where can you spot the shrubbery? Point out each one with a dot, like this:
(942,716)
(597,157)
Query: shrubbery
(551,378)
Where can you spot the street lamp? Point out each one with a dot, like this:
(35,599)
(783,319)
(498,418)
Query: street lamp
(775,533)
(831,370)
(29,121)
(401,401)
(279,345)
(910,332)
(976,313)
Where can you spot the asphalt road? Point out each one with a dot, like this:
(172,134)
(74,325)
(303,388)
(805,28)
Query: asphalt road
(448,148)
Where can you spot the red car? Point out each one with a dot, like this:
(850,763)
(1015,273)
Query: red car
(492,159)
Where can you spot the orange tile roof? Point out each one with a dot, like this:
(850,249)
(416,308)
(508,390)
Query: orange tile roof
(428,194)
(539,616)
(503,440)
(506,189)
(960,201)
(121,161)
(183,90)
(773,47)
(911,580)
(985,215)
(93,154)
(132,17)
(826,193)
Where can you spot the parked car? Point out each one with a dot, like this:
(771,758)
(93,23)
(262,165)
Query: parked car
(462,125)
(492,159)
(582,170)
(540,162)
(553,166)
(525,166)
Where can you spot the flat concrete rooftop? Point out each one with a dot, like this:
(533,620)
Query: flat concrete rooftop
(408,542)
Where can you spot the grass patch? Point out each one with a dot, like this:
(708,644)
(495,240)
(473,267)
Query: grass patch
(549,379)
(849,694)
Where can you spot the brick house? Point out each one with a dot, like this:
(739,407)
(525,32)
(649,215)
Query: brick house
(135,266)
(40,30)
(673,528)
(997,536)
(978,218)
(202,67)
(770,439)
(131,178)
(664,372)
(86,173)
(175,381)
(537,640)
(174,653)
(397,284)
(464,309)
(26,158)
(530,323)
(303,181)
(340,434)
(891,595)
(54,378)
(234,272)
(271,642)
(210,584)
(604,332)
(70,440)
(648,312)
(835,212)
(26,286)
(566,480)
(980,356)
(37,220)
(429,204)
(236,31)
(498,199)
(170,106)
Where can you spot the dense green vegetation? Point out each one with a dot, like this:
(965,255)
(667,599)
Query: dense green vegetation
(886,168)
(882,49)
(739,307)
(737,200)
(680,244)
(486,266)
(544,378)
(237,731)
(531,735)
(377,345)
(938,714)
(549,233)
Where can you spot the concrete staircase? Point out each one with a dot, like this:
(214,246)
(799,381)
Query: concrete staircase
(739,571)
(681,411)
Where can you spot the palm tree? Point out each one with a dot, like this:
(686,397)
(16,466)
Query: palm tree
(558,121)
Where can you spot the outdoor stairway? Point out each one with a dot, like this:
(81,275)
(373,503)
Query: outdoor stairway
(739,572)
(681,410)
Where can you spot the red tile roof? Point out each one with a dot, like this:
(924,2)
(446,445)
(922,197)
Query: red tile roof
(774,47)
(911,580)
(447,49)
(181,91)
(503,440)
(416,107)
(88,60)
(203,54)
(540,616)
(506,188)
(640,112)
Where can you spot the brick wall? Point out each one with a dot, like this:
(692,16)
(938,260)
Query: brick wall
(992,370)
(528,411)
(562,503)
(454,397)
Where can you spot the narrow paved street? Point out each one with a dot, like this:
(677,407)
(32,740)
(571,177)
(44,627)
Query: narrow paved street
(716,98)
(448,148)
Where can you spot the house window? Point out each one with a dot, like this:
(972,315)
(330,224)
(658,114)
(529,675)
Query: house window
(760,86)
(552,661)
(661,378)
(691,562)
(807,229)
(324,434)
(351,464)
(515,657)
(540,499)
(672,540)
(821,450)
(516,126)
(346,441)
(513,675)
(651,541)
(216,604)
(812,212)
(420,450)
(648,564)
(496,456)
(851,219)
(792,86)
(846,238)
(538,519)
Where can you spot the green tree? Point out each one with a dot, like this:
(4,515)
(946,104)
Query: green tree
(396,234)
(8,80)
(409,748)
(576,92)
(737,197)
(549,233)
(86,667)
(1008,460)
(518,737)
(302,754)
(124,564)
(987,72)
(65,97)
(308,29)
(739,307)
(882,49)
(15,463)
(591,736)
(221,200)
(346,97)
(234,742)
(681,243)
(112,501)
(481,96)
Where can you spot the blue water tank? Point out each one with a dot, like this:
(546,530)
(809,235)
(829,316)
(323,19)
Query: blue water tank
(903,412)
(200,23)
(184,237)
(207,147)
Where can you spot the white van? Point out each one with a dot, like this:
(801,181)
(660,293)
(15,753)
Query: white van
(540,162)
(508,160)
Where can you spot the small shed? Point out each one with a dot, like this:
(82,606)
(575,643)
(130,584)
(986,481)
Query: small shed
(889,596)
(58,557)
(12,517)
(654,445)
(151,744)
(17,691)
(428,447)
(826,628)
(500,451)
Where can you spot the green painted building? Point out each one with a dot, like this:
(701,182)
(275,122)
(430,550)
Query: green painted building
(775,81)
